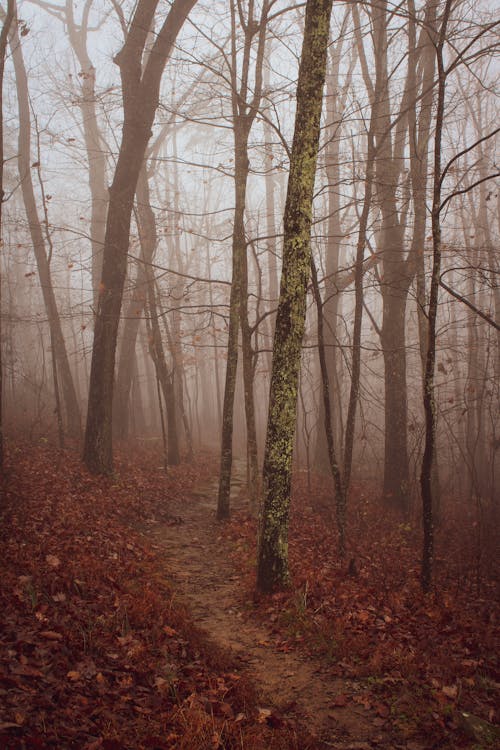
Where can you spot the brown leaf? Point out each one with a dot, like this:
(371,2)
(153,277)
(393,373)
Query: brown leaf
(53,561)
(263,714)
(451,691)
(51,635)
(340,700)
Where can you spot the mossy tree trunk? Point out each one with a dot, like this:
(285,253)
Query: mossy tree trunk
(272,569)
(141,89)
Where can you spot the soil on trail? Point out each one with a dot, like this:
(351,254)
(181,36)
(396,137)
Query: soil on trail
(292,685)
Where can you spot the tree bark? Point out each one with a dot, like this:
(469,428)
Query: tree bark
(272,569)
(332,305)
(148,239)
(140,100)
(39,248)
(94,143)
(244,113)
(4,39)
(428,396)
(395,279)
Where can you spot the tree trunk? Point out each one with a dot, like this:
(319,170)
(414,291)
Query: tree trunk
(429,397)
(39,249)
(335,102)
(4,38)
(395,279)
(94,142)
(419,135)
(164,377)
(244,113)
(179,377)
(140,100)
(239,246)
(272,569)
(340,493)
(272,288)
(148,239)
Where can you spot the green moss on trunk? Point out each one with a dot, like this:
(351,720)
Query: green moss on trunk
(290,320)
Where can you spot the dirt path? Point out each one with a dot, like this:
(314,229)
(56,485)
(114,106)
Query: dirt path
(201,566)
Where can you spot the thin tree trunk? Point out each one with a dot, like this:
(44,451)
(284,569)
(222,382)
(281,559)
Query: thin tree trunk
(271,224)
(340,494)
(335,102)
(4,38)
(395,282)
(148,239)
(429,397)
(244,113)
(272,567)
(214,342)
(35,228)
(180,377)
(94,143)
(358,308)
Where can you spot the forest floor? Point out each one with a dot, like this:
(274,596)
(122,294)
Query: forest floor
(128,620)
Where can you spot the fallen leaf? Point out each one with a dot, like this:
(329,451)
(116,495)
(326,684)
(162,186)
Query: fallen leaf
(53,561)
(451,691)
(263,714)
(340,700)
(51,635)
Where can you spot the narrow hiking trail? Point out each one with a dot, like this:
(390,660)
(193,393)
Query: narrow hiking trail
(295,686)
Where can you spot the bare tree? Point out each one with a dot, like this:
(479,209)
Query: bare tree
(35,228)
(244,110)
(140,100)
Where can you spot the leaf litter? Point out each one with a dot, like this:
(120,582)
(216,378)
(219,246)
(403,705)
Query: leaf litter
(98,649)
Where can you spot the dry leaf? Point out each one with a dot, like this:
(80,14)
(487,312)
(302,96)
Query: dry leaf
(263,714)
(53,561)
(51,635)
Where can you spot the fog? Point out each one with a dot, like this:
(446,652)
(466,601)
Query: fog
(188,197)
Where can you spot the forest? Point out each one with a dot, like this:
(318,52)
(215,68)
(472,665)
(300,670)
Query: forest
(249,374)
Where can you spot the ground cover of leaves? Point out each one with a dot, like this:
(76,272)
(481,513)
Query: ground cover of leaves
(96,650)
(426,667)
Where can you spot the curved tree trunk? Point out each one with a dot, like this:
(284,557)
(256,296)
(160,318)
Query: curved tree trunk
(39,249)
(93,141)
(140,100)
